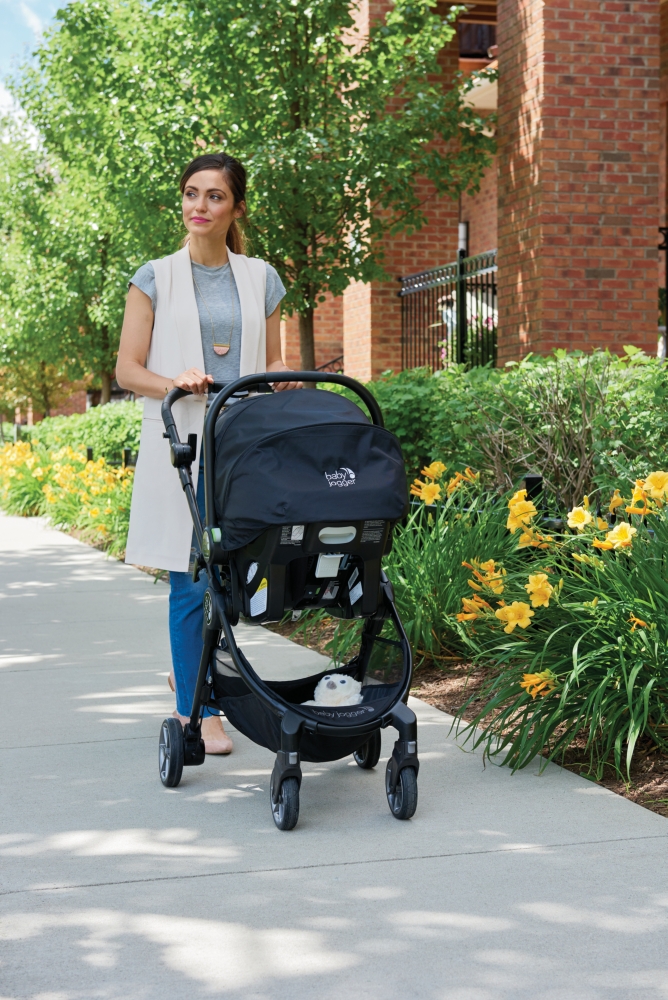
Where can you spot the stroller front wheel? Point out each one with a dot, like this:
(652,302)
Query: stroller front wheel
(285,809)
(368,755)
(170,756)
(403,800)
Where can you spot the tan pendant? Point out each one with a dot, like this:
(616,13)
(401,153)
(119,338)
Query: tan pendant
(221,349)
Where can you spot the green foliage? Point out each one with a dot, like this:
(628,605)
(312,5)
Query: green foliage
(65,257)
(582,421)
(603,639)
(334,126)
(105,429)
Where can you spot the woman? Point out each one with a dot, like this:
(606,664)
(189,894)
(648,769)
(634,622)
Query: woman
(205,314)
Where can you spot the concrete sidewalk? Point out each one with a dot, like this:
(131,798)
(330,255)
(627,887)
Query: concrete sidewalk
(501,888)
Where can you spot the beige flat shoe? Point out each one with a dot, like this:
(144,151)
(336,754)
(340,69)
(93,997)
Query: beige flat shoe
(216,740)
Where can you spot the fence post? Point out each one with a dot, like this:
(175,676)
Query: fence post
(461,306)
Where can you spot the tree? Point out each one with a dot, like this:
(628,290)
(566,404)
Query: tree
(335,128)
(62,264)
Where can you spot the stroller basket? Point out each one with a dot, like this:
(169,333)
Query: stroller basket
(302,494)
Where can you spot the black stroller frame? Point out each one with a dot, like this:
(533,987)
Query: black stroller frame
(183,745)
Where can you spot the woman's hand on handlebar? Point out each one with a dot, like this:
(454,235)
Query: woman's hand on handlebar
(194,381)
(279,386)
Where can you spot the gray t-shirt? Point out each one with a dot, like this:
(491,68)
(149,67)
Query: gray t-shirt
(219,312)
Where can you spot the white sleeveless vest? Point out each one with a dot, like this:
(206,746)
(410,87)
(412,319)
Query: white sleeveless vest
(160,524)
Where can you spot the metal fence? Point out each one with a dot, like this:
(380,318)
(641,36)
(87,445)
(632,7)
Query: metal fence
(335,365)
(449,314)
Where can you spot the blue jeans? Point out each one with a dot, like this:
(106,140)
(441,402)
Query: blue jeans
(186,617)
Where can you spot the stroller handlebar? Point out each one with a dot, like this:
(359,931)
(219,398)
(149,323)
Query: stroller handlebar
(244,383)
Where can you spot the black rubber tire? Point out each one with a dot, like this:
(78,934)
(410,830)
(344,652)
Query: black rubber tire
(368,755)
(403,802)
(170,757)
(286,810)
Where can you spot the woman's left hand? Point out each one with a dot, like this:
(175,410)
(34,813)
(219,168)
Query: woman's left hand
(279,386)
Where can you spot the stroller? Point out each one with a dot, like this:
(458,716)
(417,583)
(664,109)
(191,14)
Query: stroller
(302,494)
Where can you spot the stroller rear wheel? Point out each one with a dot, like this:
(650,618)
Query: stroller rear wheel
(367,756)
(286,807)
(403,800)
(171,752)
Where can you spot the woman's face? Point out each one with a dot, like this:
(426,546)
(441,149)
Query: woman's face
(208,205)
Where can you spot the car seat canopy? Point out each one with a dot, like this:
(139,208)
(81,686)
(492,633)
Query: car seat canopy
(295,457)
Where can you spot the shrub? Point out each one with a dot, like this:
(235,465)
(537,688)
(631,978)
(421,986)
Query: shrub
(580,420)
(106,429)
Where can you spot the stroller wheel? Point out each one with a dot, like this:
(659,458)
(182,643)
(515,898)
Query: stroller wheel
(171,752)
(286,807)
(403,801)
(368,755)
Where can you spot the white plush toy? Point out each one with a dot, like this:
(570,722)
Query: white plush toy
(336,689)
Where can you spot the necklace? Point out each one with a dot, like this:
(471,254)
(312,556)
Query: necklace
(219,348)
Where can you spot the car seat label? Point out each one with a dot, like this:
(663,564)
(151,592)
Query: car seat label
(292,534)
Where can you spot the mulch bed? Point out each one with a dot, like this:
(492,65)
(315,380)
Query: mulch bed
(450,687)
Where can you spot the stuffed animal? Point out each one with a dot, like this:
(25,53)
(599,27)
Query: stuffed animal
(335,690)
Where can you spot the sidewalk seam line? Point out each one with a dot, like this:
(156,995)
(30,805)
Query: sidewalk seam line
(334,864)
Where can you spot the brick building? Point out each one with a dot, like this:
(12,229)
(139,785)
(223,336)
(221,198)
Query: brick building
(573,200)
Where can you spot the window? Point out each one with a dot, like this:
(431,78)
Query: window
(475,39)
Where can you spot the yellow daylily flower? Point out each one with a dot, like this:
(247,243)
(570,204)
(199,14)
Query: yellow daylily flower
(615,502)
(602,524)
(621,535)
(433,471)
(517,613)
(473,608)
(428,492)
(431,493)
(461,479)
(578,518)
(539,590)
(656,485)
(539,684)
(637,622)
(521,514)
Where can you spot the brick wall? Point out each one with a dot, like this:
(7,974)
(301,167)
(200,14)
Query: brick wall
(372,313)
(578,174)
(327,333)
(480,211)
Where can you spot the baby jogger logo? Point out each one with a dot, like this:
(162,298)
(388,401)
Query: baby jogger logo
(342,477)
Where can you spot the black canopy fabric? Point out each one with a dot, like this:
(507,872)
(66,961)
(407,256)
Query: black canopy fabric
(299,456)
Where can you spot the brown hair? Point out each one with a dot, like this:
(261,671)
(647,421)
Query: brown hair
(235,176)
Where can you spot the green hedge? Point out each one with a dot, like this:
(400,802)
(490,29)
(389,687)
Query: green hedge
(105,429)
(584,421)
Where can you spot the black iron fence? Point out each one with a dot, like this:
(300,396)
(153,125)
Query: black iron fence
(335,365)
(449,314)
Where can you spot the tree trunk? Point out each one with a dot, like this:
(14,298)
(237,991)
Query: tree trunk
(306,343)
(105,394)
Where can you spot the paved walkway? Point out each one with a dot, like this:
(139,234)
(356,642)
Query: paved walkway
(501,888)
